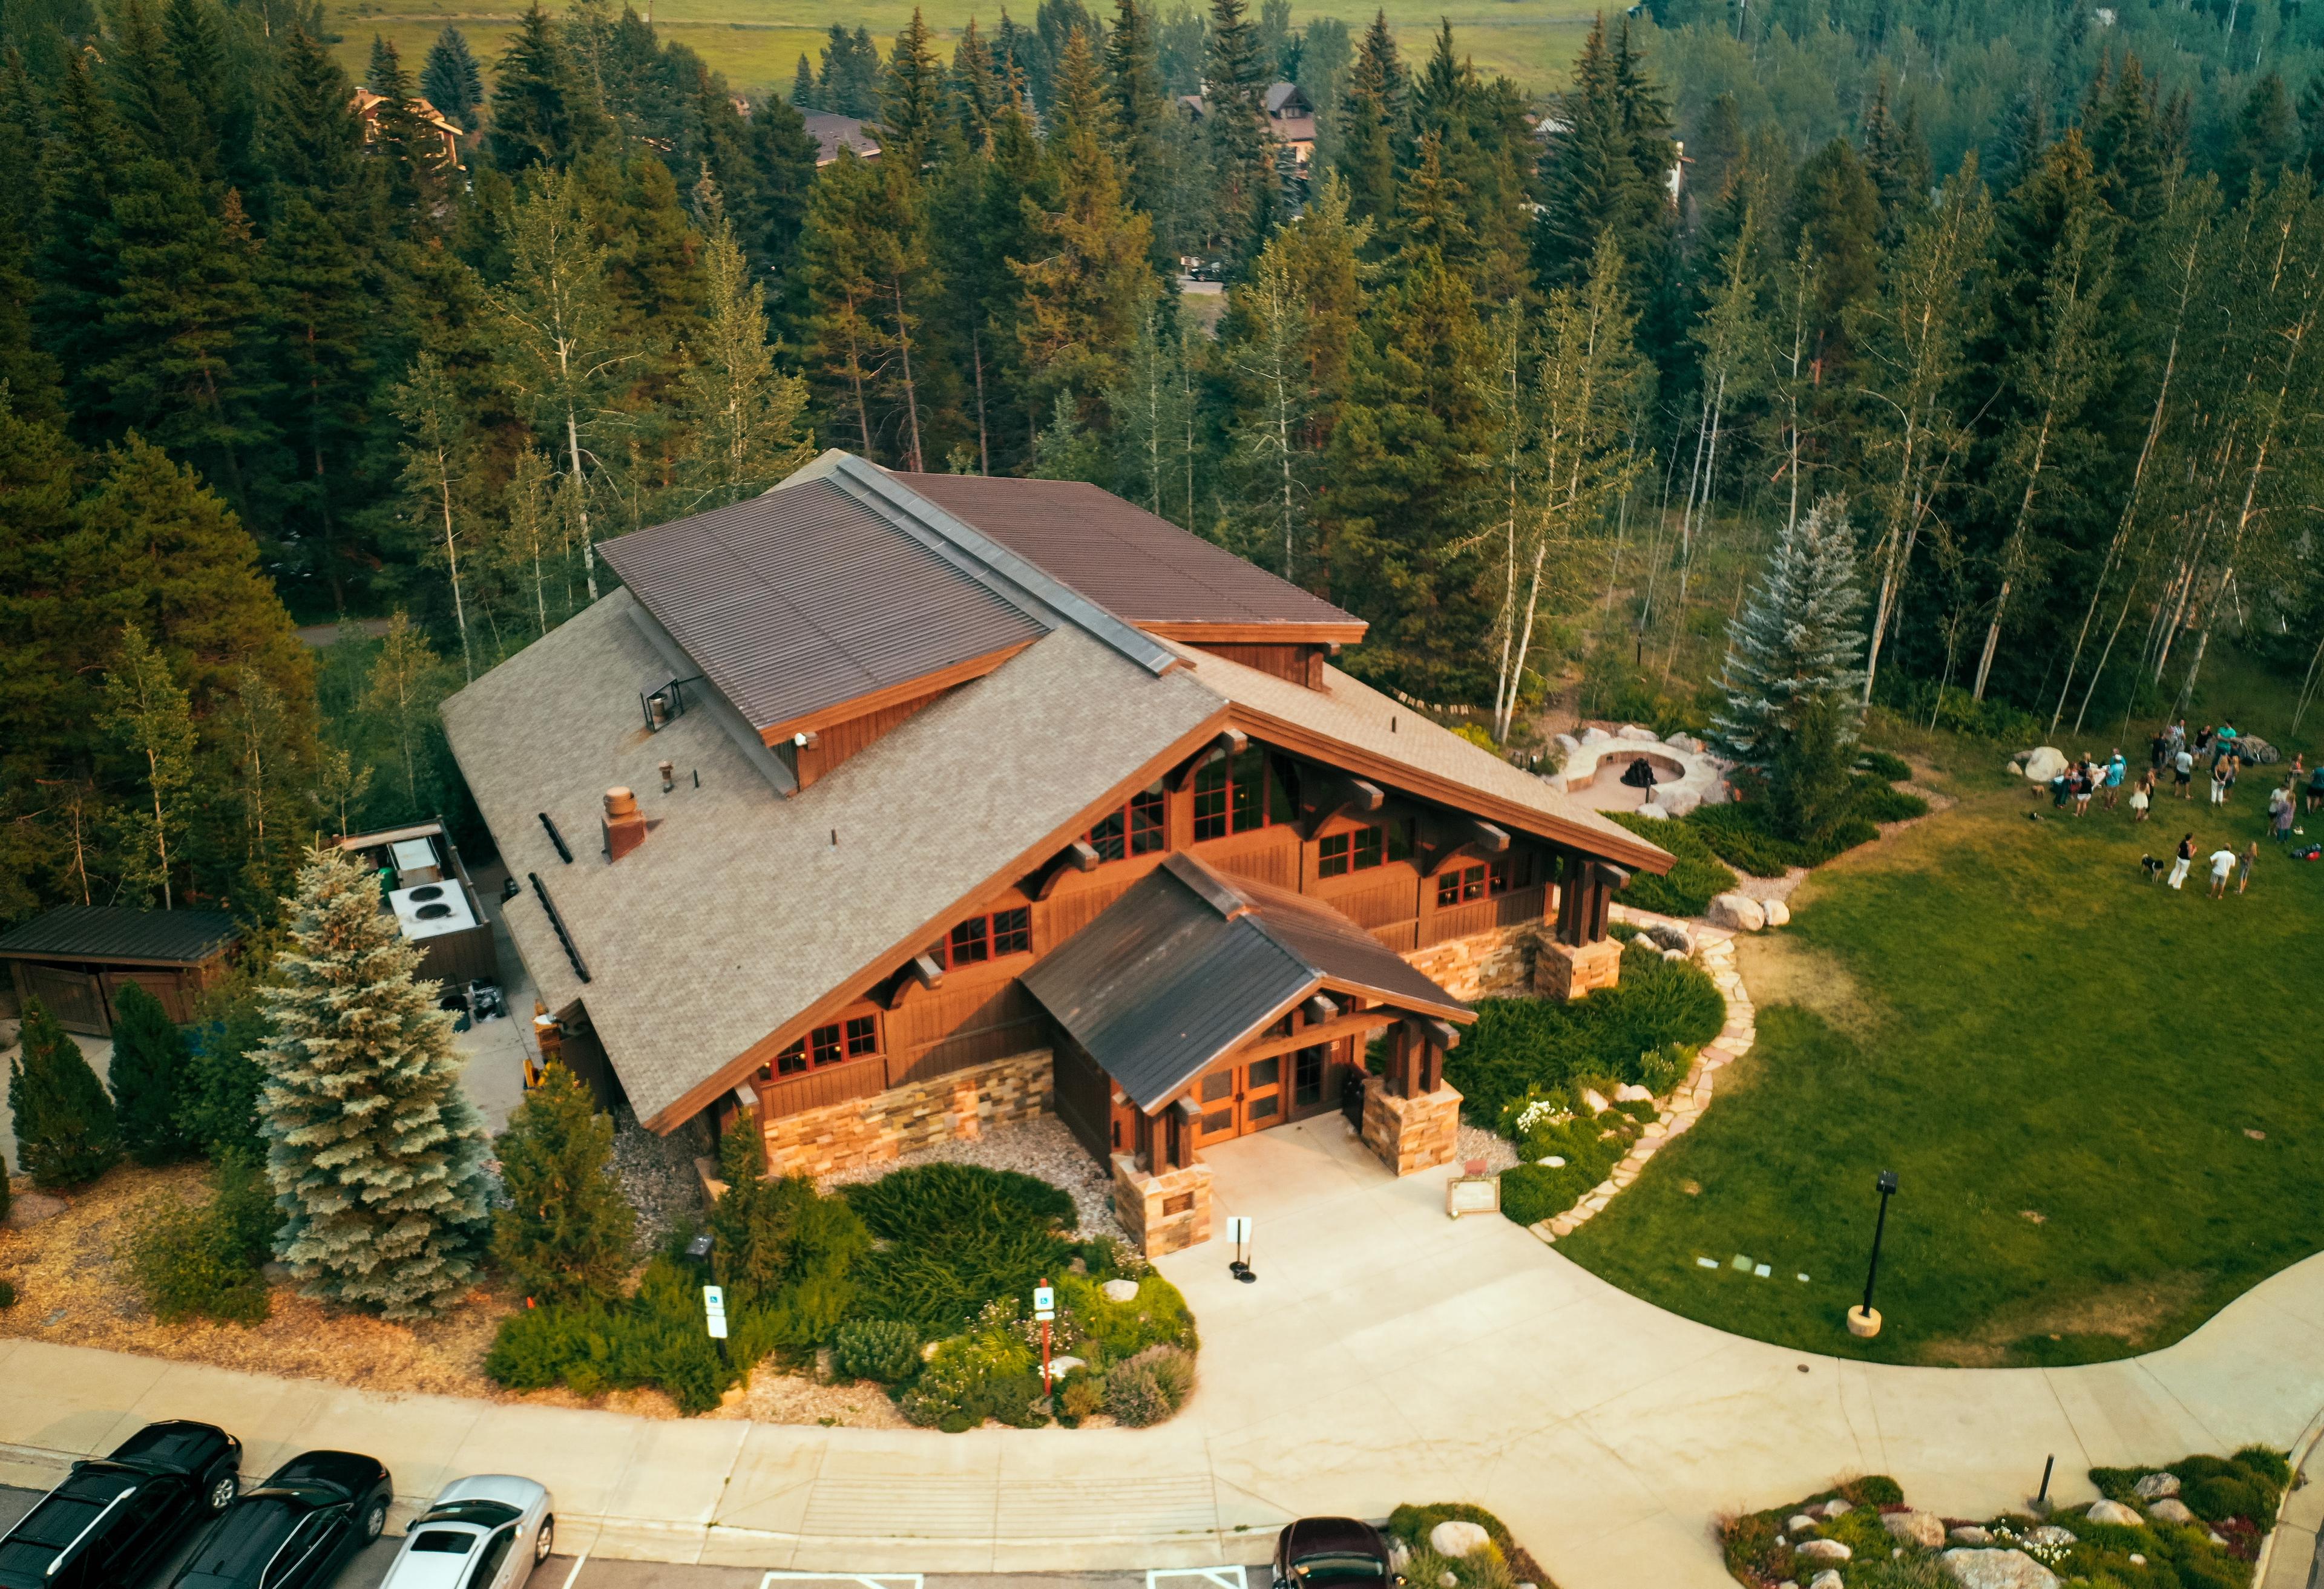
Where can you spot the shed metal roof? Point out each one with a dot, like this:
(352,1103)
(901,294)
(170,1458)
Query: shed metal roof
(1188,963)
(803,599)
(1117,553)
(106,933)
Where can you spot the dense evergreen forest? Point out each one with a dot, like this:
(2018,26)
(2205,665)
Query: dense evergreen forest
(2029,288)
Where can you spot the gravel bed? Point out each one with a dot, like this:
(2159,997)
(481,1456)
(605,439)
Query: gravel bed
(656,1175)
(1498,1152)
(1043,1148)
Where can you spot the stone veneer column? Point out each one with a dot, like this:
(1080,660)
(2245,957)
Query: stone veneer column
(1569,970)
(1411,1134)
(1164,1213)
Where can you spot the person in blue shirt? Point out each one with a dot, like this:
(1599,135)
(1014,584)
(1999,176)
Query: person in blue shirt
(2115,769)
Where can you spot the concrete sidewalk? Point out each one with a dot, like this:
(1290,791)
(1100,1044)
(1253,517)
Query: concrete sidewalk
(1385,1355)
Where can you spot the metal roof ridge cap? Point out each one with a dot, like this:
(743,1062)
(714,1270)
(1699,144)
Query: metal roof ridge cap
(1030,580)
(1207,886)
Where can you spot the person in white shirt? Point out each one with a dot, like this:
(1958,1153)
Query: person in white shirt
(2223,861)
(2183,773)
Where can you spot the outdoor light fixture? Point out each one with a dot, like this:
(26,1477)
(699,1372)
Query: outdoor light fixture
(1864,1322)
(699,1247)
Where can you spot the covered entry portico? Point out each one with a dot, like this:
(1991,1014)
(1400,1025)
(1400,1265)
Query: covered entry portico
(1201,1008)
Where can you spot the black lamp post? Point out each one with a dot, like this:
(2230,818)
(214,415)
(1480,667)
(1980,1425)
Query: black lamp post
(1863,1320)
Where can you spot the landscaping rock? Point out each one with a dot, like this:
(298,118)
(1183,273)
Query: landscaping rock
(1555,1162)
(1826,1579)
(2047,1535)
(2170,1509)
(30,1208)
(1923,1529)
(1778,914)
(1653,812)
(1631,730)
(1566,743)
(1448,1579)
(1995,1569)
(1800,1522)
(2156,1486)
(1835,1506)
(2044,764)
(1456,1539)
(1060,1367)
(1119,1290)
(1971,1534)
(1823,1550)
(2113,1511)
(1686,742)
(1594,1100)
(2256,750)
(1738,911)
(1630,1092)
(1671,935)
(1676,801)
(1596,737)
(1674,954)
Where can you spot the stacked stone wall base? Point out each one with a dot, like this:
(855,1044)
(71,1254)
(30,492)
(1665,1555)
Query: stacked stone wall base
(1164,1213)
(1569,970)
(1411,1134)
(957,1107)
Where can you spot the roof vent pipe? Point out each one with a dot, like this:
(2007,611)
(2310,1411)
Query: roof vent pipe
(626,825)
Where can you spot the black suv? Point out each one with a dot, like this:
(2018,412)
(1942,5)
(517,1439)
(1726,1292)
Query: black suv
(116,1517)
(296,1531)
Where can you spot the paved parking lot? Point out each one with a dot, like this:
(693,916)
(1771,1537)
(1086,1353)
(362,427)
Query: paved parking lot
(564,1571)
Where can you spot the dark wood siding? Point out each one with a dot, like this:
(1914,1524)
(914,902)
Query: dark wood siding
(1085,1097)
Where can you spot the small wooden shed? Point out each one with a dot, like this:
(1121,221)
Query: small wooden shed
(75,959)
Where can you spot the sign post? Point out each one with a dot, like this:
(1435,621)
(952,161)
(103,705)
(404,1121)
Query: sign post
(714,1311)
(1045,1308)
(1239,1234)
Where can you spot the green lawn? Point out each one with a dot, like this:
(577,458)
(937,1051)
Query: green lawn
(758,42)
(2002,1011)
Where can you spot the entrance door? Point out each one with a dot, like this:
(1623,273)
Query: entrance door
(1237,1099)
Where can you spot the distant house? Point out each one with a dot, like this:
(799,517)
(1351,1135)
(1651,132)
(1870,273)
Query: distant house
(833,133)
(1289,116)
(366,105)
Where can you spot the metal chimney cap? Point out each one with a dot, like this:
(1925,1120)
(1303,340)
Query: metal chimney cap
(620,803)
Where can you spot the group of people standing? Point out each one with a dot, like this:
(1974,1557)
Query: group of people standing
(2222,746)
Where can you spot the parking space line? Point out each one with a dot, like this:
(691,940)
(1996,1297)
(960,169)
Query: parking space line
(579,1562)
(862,1580)
(1213,1577)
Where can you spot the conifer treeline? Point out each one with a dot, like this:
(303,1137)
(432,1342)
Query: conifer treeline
(1502,376)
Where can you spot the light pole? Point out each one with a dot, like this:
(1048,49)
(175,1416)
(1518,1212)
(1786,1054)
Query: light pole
(1863,1322)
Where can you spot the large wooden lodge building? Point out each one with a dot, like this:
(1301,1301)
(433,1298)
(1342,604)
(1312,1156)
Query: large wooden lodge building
(889,807)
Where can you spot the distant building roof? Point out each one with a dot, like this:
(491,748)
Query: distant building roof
(833,133)
(1189,963)
(1144,568)
(114,934)
(1284,99)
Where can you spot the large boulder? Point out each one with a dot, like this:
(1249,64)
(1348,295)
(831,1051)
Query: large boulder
(1971,1534)
(1800,1522)
(2049,1534)
(2156,1486)
(1738,911)
(1778,914)
(2256,750)
(1630,1092)
(2043,763)
(1631,730)
(1923,1529)
(2170,1509)
(1686,742)
(1829,1578)
(1995,1569)
(2115,1512)
(1566,743)
(1826,1551)
(1119,1290)
(1456,1539)
(1677,801)
(1595,1101)
(1672,936)
(1653,812)
(1595,736)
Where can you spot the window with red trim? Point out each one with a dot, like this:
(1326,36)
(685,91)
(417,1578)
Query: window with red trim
(829,1045)
(984,938)
(862,1036)
(1139,828)
(1356,850)
(1458,885)
(1231,796)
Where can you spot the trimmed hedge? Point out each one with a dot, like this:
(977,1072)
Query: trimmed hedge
(1697,875)
(1618,1032)
(952,1237)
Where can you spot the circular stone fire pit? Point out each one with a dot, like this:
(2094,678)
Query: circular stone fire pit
(1685,776)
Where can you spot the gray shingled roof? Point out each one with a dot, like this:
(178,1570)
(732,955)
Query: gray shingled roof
(738,912)
(1188,963)
(110,932)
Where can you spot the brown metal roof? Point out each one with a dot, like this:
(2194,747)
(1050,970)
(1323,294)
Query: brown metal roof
(1118,555)
(105,932)
(802,600)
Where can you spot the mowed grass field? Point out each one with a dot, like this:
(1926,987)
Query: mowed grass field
(756,43)
(2105,1100)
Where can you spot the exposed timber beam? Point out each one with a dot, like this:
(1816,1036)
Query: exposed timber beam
(1341,795)
(920,971)
(1076,857)
(1230,742)
(1466,835)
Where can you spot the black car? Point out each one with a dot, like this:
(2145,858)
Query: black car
(114,1518)
(1323,1552)
(296,1531)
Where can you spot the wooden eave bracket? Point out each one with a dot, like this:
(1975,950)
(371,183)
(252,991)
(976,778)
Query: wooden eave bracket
(1429,1029)
(1470,834)
(1342,796)
(1078,857)
(1228,742)
(1319,1008)
(919,971)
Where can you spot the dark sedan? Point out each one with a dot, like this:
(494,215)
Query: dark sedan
(114,1518)
(1327,1552)
(296,1531)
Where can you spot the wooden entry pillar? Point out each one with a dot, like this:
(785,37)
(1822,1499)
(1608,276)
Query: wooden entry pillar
(1581,959)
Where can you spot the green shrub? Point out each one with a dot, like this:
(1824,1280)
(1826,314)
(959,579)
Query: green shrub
(1148,1387)
(1881,764)
(203,1260)
(1081,1395)
(1876,803)
(537,1347)
(6,1195)
(567,1232)
(220,1109)
(1111,1331)
(653,1339)
(1531,1193)
(1522,1044)
(784,1251)
(7,1295)
(1912,1572)
(952,1237)
(1743,834)
(66,1134)
(148,1075)
(972,1378)
(880,1349)
(1696,877)
(1872,1489)
(1414,1524)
